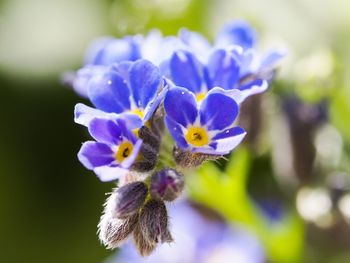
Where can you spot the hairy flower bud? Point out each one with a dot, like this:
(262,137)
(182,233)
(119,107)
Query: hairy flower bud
(129,199)
(149,150)
(114,231)
(149,137)
(153,222)
(166,184)
(189,159)
(144,247)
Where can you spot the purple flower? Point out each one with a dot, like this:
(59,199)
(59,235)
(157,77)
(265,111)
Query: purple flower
(206,127)
(199,240)
(153,47)
(157,48)
(114,151)
(133,90)
(238,33)
(241,39)
(222,71)
(81,79)
(108,50)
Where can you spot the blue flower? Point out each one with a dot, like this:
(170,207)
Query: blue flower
(206,127)
(238,33)
(82,77)
(131,89)
(153,47)
(157,48)
(239,37)
(108,50)
(221,71)
(114,151)
(199,240)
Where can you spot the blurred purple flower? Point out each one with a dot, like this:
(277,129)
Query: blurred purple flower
(240,38)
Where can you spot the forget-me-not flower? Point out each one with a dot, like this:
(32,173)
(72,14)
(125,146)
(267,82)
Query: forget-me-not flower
(106,51)
(241,38)
(222,71)
(131,89)
(207,127)
(137,86)
(114,151)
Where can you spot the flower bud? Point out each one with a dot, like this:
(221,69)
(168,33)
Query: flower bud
(190,159)
(114,231)
(144,247)
(148,160)
(149,137)
(166,184)
(153,222)
(129,199)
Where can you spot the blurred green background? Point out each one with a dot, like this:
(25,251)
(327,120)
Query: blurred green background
(50,205)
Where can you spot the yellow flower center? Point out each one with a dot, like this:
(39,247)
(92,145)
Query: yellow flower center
(138,112)
(197,136)
(200,96)
(136,132)
(124,151)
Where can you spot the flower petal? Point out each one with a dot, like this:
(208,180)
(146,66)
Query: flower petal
(83,76)
(180,106)
(237,33)
(234,94)
(252,88)
(218,111)
(125,131)
(157,48)
(226,141)
(95,154)
(144,82)
(186,71)
(109,173)
(105,130)
(223,70)
(176,132)
(84,114)
(109,50)
(153,105)
(109,92)
(196,43)
(270,59)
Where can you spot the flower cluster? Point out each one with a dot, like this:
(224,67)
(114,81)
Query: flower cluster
(149,90)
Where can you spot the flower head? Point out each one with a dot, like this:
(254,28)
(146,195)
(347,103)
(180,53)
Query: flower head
(131,89)
(107,51)
(206,127)
(240,38)
(138,85)
(114,151)
(222,70)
